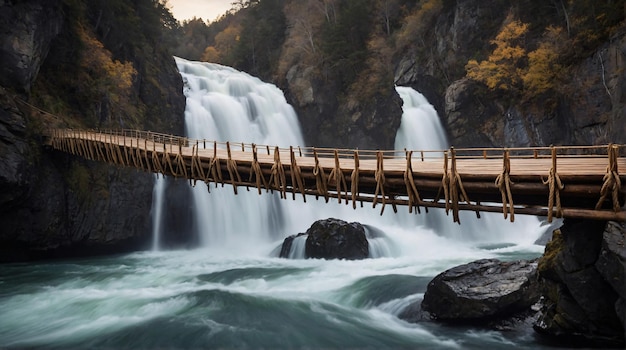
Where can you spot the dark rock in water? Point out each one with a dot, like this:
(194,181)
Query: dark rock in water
(582,274)
(285,248)
(483,289)
(336,239)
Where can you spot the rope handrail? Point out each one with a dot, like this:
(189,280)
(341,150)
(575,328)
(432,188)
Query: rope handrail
(408,177)
(364,154)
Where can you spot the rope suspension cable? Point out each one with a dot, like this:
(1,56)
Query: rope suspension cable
(320,178)
(611,181)
(411,189)
(197,171)
(180,162)
(167,160)
(336,175)
(554,187)
(231,166)
(278,175)
(145,153)
(156,161)
(503,182)
(354,180)
(445,184)
(255,169)
(457,191)
(296,176)
(215,168)
(379,175)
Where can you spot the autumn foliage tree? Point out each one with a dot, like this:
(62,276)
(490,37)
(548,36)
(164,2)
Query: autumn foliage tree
(503,70)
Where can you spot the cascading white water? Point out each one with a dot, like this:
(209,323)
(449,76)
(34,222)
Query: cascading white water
(420,127)
(224,104)
(227,105)
(157,210)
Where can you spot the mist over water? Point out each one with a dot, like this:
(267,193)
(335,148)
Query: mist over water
(231,293)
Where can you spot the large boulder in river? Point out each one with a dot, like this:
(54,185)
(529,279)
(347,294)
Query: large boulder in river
(483,289)
(336,239)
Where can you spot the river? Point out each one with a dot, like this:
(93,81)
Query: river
(232,291)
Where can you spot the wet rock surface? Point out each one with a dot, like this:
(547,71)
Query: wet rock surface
(332,239)
(483,289)
(583,281)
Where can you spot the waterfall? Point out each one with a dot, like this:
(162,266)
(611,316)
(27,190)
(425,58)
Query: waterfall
(157,211)
(420,127)
(224,104)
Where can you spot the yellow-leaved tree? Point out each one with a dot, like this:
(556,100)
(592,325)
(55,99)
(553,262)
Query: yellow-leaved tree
(107,81)
(504,68)
(544,70)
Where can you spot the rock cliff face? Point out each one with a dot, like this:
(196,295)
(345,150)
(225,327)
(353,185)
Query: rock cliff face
(593,114)
(327,122)
(52,204)
(583,273)
(28,30)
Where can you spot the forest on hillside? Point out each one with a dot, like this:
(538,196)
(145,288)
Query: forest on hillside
(353,47)
(357,42)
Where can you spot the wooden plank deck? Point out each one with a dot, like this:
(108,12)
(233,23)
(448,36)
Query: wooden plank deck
(582,170)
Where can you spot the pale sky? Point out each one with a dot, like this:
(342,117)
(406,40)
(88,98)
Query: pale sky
(205,9)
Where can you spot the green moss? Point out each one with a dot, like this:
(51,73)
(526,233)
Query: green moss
(548,264)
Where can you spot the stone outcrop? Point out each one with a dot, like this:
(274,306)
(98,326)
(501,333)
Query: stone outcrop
(327,121)
(332,239)
(56,205)
(28,28)
(583,274)
(482,290)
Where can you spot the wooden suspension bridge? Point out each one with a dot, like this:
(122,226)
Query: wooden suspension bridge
(568,182)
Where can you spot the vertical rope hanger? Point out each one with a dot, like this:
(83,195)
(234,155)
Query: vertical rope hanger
(340,181)
(612,183)
(411,189)
(297,181)
(278,175)
(379,175)
(320,178)
(354,180)
(503,182)
(554,188)
(255,170)
(231,166)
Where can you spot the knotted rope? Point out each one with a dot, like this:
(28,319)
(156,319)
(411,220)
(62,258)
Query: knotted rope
(181,167)
(612,183)
(503,182)
(231,166)
(278,175)
(320,178)
(555,186)
(145,153)
(457,191)
(296,177)
(336,175)
(411,189)
(215,168)
(354,180)
(445,184)
(196,166)
(255,169)
(156,161)
(379,175)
